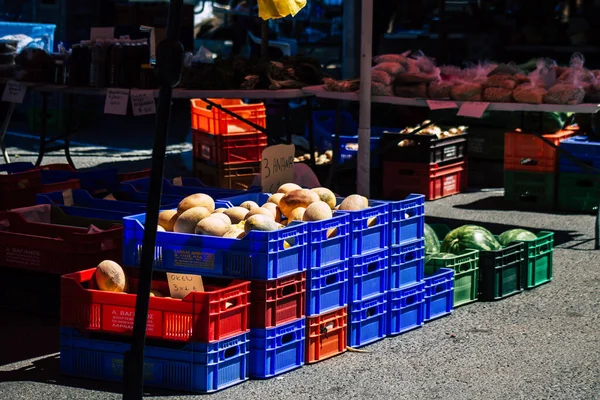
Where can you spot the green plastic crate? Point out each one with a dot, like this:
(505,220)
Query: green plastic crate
(538,260)
(501,272)
(530,190)
(466,271)
(578,192)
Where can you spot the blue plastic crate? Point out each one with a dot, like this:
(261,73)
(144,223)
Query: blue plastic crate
(407,219)
(582,148)
(439,294)
(196,367)
(89,207)
(326,288)
(407,264)
(259,255)
(366,239)
(406,309)
(368,321)
(368,275)
(188,187)
(277,350)
(94,181)
(42,35)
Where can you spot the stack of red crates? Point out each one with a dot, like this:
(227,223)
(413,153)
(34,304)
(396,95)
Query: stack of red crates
(227,151)
(430,166)
(530,168)
(199,343)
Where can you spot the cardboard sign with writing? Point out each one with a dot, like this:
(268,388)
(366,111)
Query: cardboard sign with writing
(67,196)
(177,181)
(277,167)
(14,92)
(441,104)
(116,101)
(142,102)
(473,109)
(180,285)
(102,33)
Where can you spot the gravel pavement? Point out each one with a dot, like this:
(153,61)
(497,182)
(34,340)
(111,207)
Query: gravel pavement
(540,344)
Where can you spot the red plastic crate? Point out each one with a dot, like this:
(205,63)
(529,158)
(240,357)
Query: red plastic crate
(130,176)
(326,335)
(228,149)
(55,249)
(199,317)
(19,189)
(432,180)
(526,152)
(277,302)
(212,120)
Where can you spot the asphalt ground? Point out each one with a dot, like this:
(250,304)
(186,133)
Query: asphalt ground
(540,344)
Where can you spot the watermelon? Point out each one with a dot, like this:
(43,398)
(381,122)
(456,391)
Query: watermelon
(469,237)
(432,243)
(515,235)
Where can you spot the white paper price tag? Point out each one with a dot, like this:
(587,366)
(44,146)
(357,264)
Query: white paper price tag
(116,101)
(14,92)
(142,102)
(67,196)
(473,109)
(277,167)
(180,285)
(441,104)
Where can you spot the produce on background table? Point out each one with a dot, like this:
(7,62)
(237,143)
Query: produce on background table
(414,75)
(429,129)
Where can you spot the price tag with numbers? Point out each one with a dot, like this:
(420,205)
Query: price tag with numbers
(473,109)
(67,196)
(441,104)
(116,101)
(180,285)
(277,167)
(14,92)
(142,102)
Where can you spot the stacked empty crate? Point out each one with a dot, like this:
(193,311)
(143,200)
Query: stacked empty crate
(423,163)
(227,150)
(406,296)
(328,261)
(530,166)
(368,269)
(579,188)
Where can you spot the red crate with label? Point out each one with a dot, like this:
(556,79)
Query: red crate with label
(220,312)
(326,335)
(217,122)
(53,248)
(432,180)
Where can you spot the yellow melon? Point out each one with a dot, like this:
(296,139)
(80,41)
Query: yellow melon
(326,196)
(354,202)
(110,277)
(298,198)
(212,226)
(274,210)
(236,214)
(260,222)
(275,198)
(317,211)
(288,187)
(187,221)
(167,219)
(250,205)
(196,200)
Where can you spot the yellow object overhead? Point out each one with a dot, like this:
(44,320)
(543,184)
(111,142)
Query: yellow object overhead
(273,9)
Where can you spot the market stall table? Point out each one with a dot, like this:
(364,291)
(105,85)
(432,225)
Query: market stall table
(45,145)
(320,92)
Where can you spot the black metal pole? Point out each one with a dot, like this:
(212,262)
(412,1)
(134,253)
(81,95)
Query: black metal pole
(264,39)
(169,54)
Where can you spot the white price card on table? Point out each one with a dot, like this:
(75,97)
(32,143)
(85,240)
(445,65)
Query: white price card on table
(116,101)
(102,33)
(14,92)
(277,167)
(142,102)
(473,109)
(180,285)
(441,104)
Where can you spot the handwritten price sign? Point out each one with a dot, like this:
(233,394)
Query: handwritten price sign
(180,285)
(142,102)
(277,167)
(116,101)
(14,92)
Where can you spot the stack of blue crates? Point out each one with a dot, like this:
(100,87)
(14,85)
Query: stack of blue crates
(406,295)
(368,274)
(578,188)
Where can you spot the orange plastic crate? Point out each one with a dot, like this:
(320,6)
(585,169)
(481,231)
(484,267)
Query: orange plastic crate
(220,312)
(212,120)
(326,335)
(278,301)
(526,152)
(229,149)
